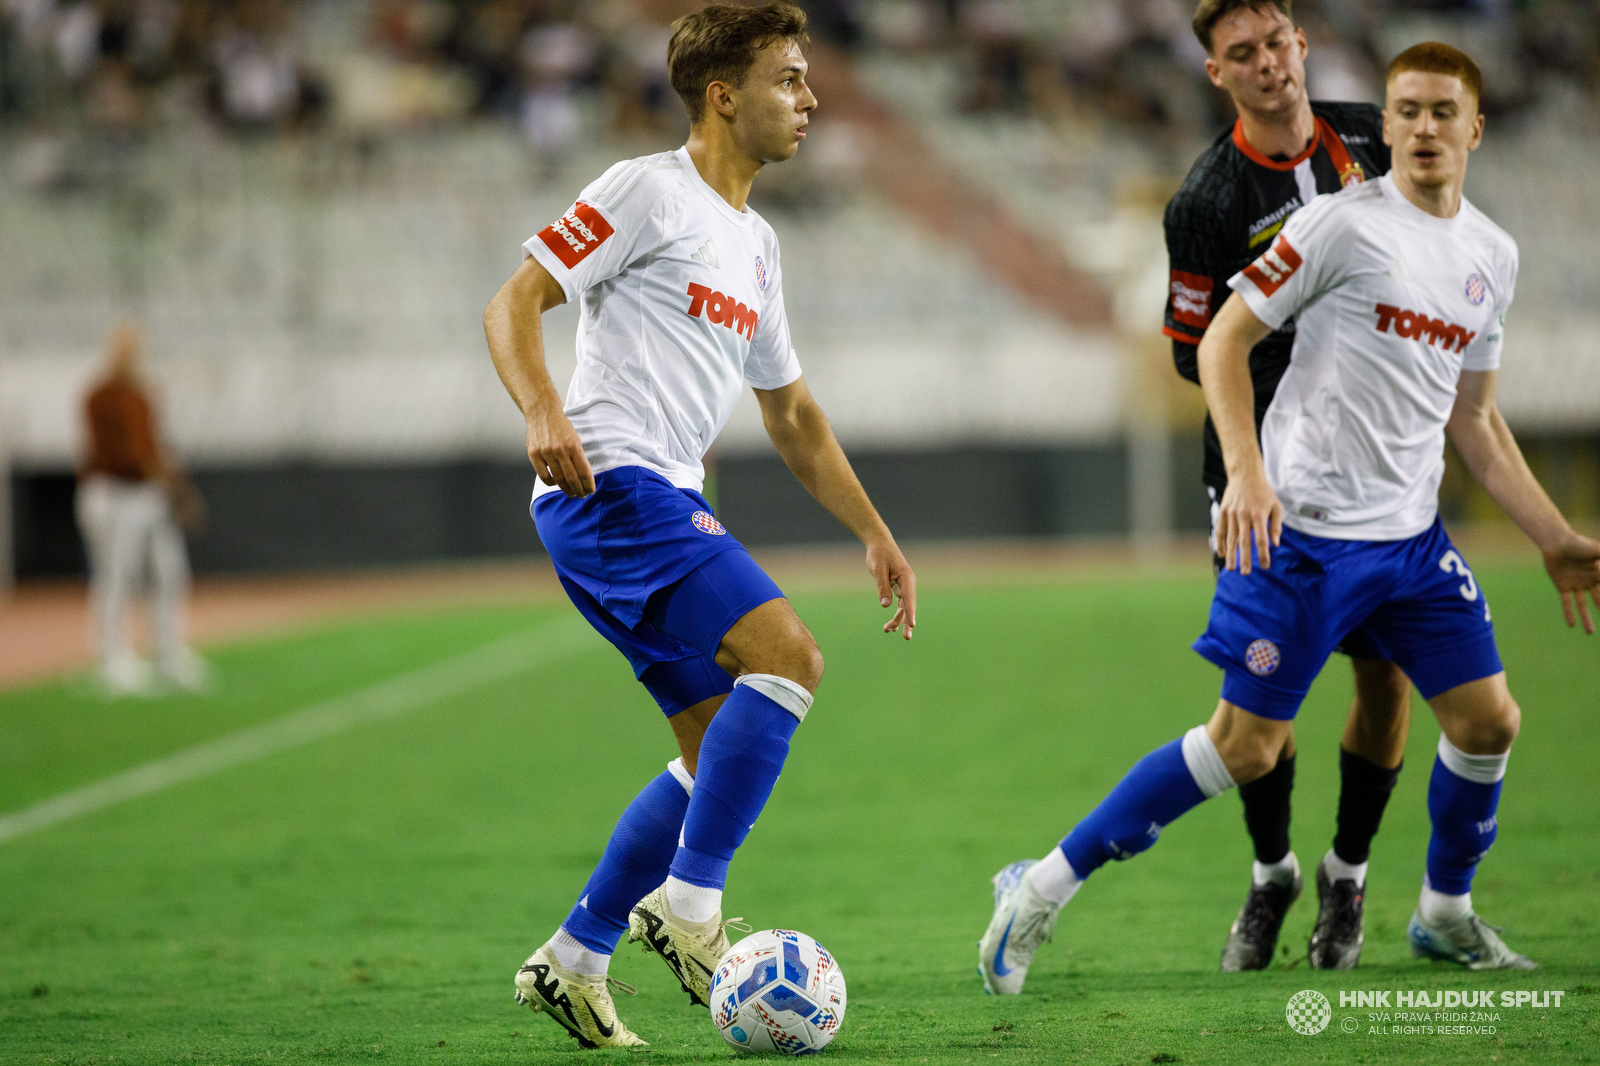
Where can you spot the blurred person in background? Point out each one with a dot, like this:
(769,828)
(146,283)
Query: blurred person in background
(259,84)
(557,59)
(642,105)
(484,40)
(1137,62)
(131,499)
(997,57)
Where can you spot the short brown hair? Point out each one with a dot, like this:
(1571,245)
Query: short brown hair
(1431,57)
(1211,12)
(720,42)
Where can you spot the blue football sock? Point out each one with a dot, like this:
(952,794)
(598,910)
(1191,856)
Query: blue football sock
(1160,787)
(740,758)
(635,861)
(1463,794)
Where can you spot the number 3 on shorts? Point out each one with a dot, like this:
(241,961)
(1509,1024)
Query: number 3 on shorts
(1454,564)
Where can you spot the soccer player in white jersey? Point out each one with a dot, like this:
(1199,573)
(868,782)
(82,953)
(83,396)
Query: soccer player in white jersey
(681,294)
(1400,288)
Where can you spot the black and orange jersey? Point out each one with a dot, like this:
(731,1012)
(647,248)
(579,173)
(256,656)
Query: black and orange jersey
(1234,201)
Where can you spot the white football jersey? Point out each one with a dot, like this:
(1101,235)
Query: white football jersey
(680,304)
(1390,305)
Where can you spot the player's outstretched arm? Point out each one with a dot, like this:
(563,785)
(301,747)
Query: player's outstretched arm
(1249,506)
(1490,452)
(512,323)
(802,435)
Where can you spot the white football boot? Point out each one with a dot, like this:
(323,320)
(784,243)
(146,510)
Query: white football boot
(125,674)
(1469,940)
(1023,920)
(690,949)
(581,1003)
(185,670)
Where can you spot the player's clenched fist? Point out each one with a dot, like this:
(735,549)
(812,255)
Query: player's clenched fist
(1250,511)
(556,452)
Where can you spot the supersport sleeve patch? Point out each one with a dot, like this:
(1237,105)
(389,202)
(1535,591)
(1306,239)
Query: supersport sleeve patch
(576,234)
(1190,296)
(1275,267)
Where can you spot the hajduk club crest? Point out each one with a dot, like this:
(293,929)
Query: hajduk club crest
(706,524)
(1262,657)
(1477,291)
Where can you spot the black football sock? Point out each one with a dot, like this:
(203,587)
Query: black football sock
(1266,811)
(1364,791)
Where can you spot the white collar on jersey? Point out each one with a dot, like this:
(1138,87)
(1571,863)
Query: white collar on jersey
(739,218)
(1392,193)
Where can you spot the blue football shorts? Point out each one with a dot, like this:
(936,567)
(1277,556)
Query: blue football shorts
(1357,644)
(1414,602)
(656,574)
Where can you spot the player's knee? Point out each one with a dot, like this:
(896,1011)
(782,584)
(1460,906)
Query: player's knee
(1491,730)
(1249,766)
(1496,732)
(1249,758)
(795,658)
(807,664)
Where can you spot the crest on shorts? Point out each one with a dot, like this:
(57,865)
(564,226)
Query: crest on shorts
(761,274)
(1262,657)
(1477,291)
(706,524)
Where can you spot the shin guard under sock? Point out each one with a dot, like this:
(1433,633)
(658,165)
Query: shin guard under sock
(1364,790)
(740,758)
(1463,795)
(1266,811)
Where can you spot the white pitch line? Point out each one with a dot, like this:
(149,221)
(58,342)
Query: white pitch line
(484,665)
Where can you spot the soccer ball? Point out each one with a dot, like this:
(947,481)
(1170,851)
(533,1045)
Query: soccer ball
(778,992)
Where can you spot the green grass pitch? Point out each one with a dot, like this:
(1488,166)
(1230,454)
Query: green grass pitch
(367,897)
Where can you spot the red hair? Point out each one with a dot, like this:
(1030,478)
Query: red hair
(1431,57)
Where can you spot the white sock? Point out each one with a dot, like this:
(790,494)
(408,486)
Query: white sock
(1205,763)
(1282,872)
(1053,878)
(1339,870)
(1482,769)
(790,695)
(573,955)
(691,902)
(1436,907)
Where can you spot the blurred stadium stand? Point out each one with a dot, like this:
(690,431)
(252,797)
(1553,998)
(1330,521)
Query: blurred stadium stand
(308,205)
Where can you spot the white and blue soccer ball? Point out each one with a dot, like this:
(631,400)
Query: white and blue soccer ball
(778,992)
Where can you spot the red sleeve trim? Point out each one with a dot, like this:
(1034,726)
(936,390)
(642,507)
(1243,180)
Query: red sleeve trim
(1178,335)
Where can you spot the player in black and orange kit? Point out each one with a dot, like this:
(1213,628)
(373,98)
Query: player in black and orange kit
(1282,151)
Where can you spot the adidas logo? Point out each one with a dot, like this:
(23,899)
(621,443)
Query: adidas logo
(707,255)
